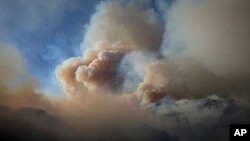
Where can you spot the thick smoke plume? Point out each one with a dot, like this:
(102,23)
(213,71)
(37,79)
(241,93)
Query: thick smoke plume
(180,73)
(115,30)
(118,29)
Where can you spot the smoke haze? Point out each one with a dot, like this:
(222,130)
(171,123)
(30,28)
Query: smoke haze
(178,74)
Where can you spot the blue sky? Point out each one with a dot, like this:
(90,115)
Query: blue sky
(45,31)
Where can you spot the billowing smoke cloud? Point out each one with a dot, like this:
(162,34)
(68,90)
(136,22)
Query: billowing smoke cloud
(141,78)
(114,34)
(116,29)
